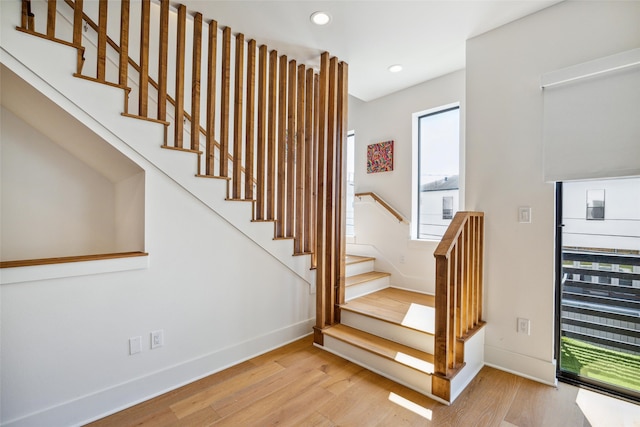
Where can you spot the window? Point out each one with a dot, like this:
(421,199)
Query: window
(447,207)
(351,158)
(437,170)
(595,204)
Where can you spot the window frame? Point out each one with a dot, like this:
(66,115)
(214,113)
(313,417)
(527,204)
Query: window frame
(415,167)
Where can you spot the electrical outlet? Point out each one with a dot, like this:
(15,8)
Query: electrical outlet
(402,259)
(135,345)
(157,338)
(524,326)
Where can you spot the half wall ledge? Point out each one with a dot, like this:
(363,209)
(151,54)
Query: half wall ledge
(55,268)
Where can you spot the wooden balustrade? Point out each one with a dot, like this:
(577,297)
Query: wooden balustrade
(459,275)
(287,130)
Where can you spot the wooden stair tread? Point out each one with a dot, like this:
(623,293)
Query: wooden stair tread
(406,308)
(355,259)
(416,359)
(365,277)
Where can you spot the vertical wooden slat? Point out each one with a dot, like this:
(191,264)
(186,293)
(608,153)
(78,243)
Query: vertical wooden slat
(282,147)
(262,142)
(224,102)
(301,157)
(453,297)
(163,56)
(330,192)
(179,95)
(102,40)
(291,145)
(77,23)
(195,81)
(481,237)
(77,32)
(211,98)
(271,135)
(322,293)
(51,18)
(343,101)
(143,98)
(24,19)
(31,24)
(307,244)
(123,75)
(250,120)
(314,178)
(441,316)
(237,118)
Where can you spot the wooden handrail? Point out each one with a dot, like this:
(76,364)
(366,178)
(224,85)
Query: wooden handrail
(384,204)
(459,288)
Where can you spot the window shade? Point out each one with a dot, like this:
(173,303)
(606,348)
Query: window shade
(591,123)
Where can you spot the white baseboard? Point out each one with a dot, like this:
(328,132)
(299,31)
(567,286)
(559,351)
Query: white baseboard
(110,400)
(542,371)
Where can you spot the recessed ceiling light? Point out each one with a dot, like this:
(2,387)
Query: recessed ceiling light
(396,68)
(320,18)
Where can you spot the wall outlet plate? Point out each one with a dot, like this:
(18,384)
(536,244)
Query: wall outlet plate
(157,338)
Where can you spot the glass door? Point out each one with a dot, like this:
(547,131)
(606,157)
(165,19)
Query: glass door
(598,276)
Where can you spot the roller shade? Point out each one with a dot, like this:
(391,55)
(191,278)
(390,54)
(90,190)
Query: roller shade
(591,122)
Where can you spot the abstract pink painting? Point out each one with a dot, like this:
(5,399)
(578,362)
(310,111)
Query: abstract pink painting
(380,157)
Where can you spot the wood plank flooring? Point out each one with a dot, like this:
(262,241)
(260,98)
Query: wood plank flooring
(301,385)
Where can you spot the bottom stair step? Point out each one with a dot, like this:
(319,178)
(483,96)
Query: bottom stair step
(398,362)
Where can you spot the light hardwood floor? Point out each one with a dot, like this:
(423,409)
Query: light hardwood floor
(301,385)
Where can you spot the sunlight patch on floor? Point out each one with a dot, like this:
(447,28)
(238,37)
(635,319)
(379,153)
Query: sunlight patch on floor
(414,362)
(420,317)
(605,411)
(411,406)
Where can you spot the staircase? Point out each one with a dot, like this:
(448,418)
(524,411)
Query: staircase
(391,331)
(385,329)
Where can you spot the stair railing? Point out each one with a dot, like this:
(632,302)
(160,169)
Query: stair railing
(459,288)
(276,128)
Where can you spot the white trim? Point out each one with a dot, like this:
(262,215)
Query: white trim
(72,269)
(619,61)
(542,371)
(83,409)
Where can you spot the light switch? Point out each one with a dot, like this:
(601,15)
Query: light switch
(524,214)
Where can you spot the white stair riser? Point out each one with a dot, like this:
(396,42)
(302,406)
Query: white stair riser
(358,268)
(365,288)
(406,336)
(474,361)
(395,371)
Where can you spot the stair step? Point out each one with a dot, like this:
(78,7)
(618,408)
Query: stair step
(355,264)
(398,306)
(407,356)
(354,259)
(365,283)
(402,316)
(365,277)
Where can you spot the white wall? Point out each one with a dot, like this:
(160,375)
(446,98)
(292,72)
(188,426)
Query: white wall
(52,204)
(504,164)
(219,296)
(390,118)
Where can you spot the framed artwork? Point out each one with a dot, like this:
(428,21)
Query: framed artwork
(380,157)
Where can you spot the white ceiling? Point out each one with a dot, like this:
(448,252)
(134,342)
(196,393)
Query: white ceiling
(427,37)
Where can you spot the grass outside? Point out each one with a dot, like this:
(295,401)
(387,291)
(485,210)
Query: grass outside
(590,361)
